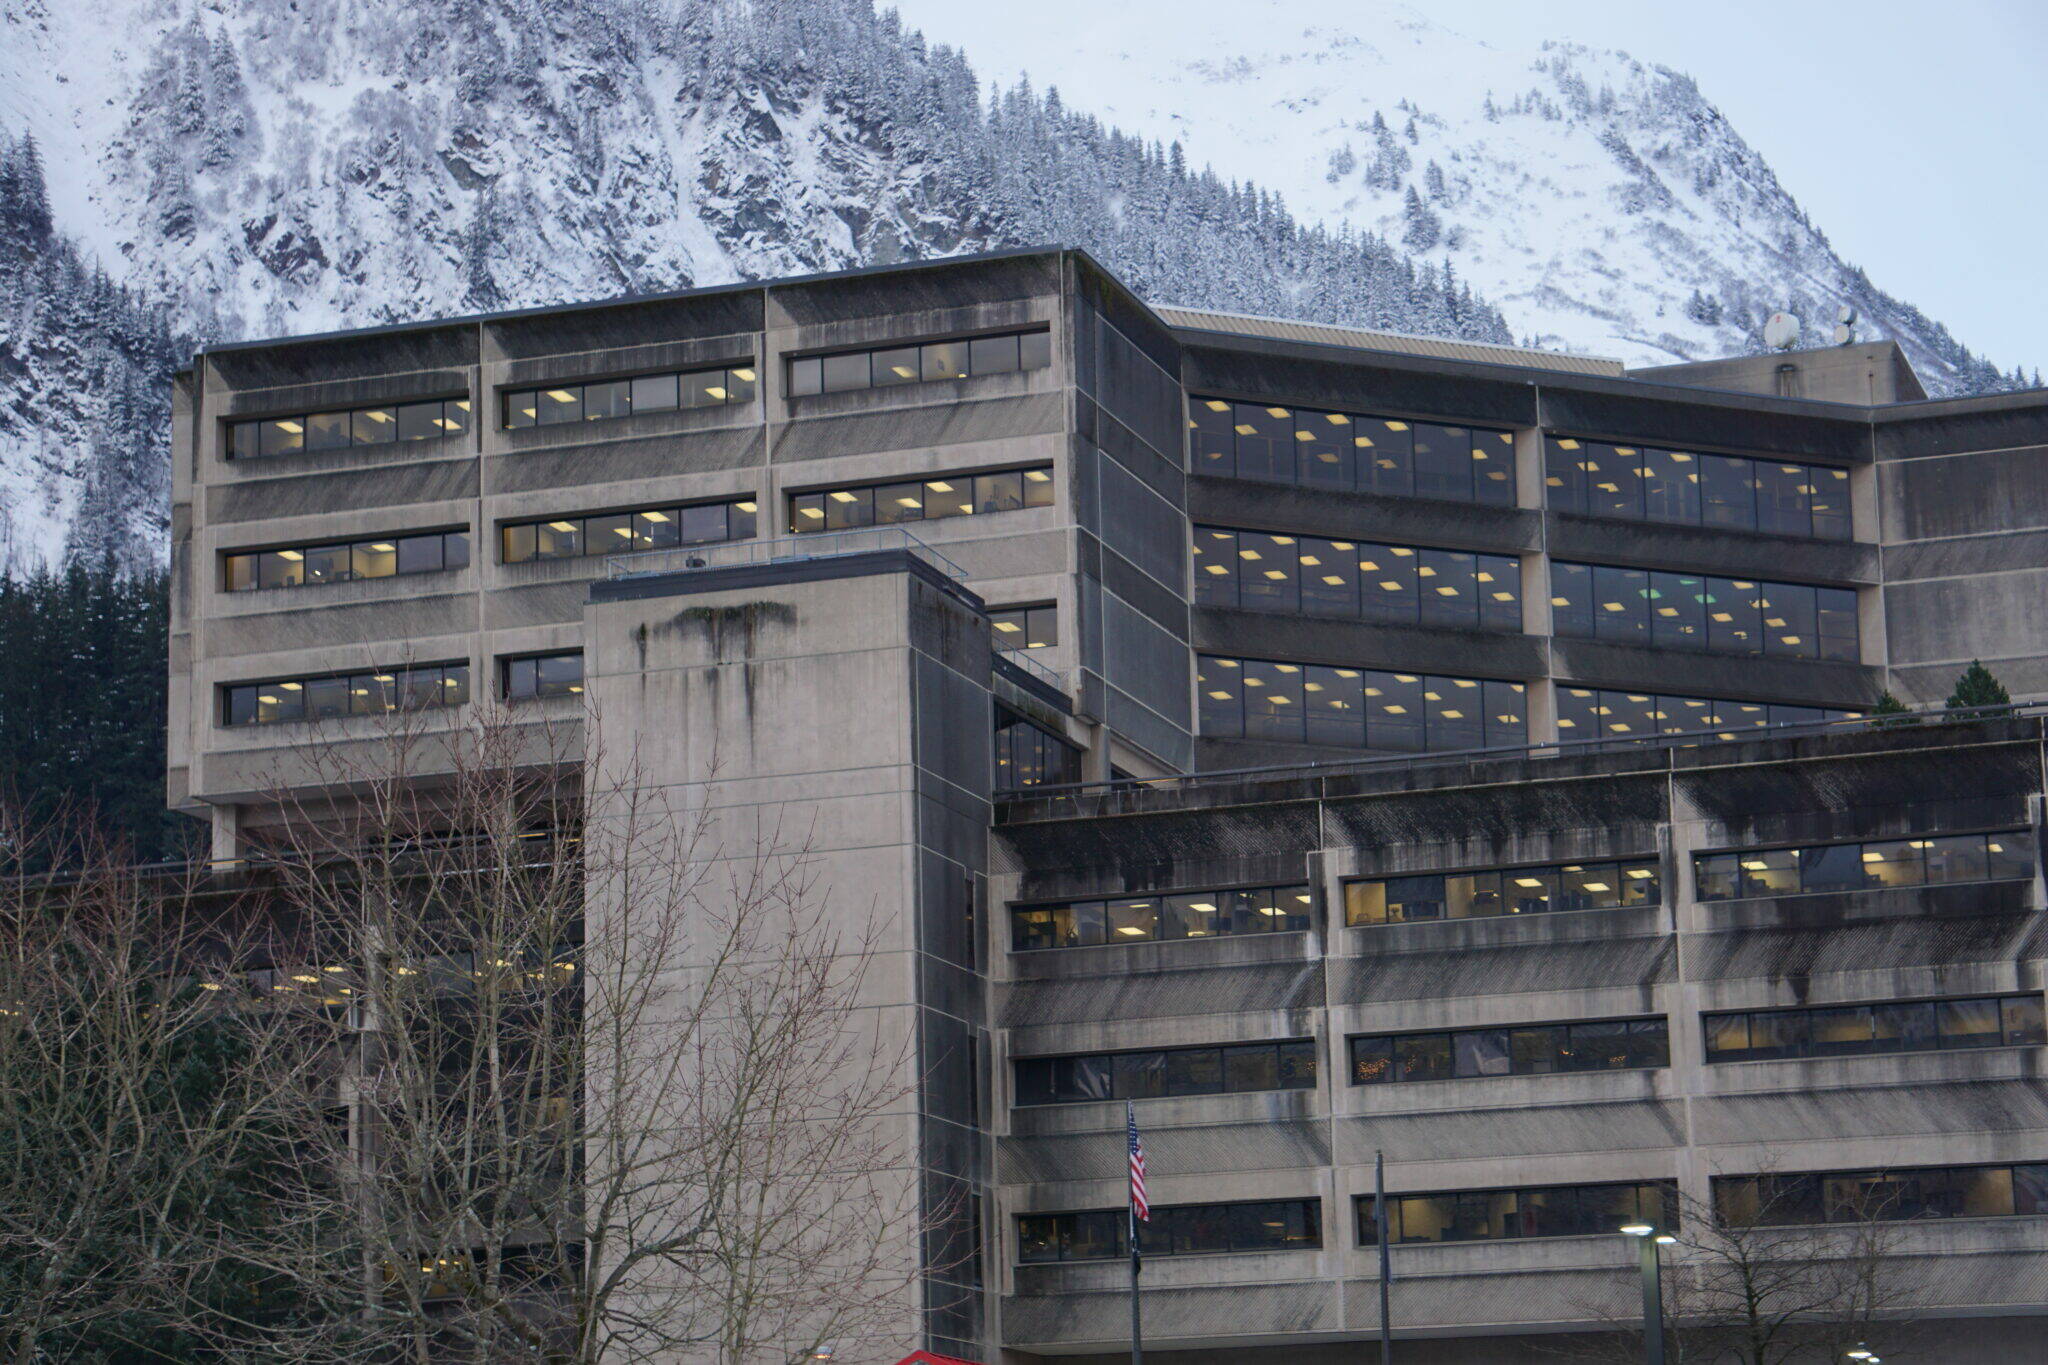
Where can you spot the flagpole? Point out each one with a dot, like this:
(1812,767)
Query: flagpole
(1131,1222)
(1379,1220)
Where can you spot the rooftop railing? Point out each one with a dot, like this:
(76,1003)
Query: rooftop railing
(1106,798)
(732,554)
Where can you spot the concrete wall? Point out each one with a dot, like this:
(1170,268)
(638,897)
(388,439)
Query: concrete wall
(1687,1121)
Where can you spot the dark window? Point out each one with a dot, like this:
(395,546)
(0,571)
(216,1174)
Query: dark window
(652,528)
(376,692)
(1028,756)
(1778,1200)
(1540,1211)
(1351,451)
(1170,915)
(1682,486)
(544,675)
(1174,1230)
(887,366)
(1847,1030)
(1528,1049)
(1233,1069)
(1587,714)
(1265,699)
(1862,867)
(1025,627)
(351,427)
(843,509)
(317,565)
(605,399)
(1512,891)
(1683,611)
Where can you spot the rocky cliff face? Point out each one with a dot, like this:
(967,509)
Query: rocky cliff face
(260,167)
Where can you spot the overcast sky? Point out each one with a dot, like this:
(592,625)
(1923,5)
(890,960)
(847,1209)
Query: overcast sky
(1915,134)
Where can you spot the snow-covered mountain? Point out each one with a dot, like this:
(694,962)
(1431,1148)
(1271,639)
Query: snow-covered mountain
(260,167)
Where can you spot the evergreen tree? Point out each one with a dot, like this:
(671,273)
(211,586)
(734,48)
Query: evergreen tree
(1977,690)
(1888,705)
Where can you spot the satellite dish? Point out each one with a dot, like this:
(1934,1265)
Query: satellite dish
(1844,334)
(1846,315)
(1781,332)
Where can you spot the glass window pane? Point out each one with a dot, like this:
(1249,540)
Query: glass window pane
(1298,1065)
(1472,895)
(1835,625)
(455,549)
(1139,1075)
(1215,567)
(1571,601)
(1507,724)
(326,698)
(1480,1052)
(1194,1071)
(1424,1056)
(1727,1037)
(1212,437)
(1386,455)
(1268,571)
(1564,474)
(1734,616)
(1251,1067)
(607,535)
(1334,701)
(806,377)
(1894,862)
(1132,920)
(1717,876)
(653,393)
(521,679)
(560,675)
(2021,1019)
(1038,488)
(1784,499)
(1621,606)
(1034,350)
(999,492)
(1372,1061)
(612,399)
(1770,872)
(739,384)
(1409,899)
(280,701)
(1538,1051)
(419,554)
(518,544)
(1844,1030)
(1493,468)
(1830,502)
(1265,442)
(1678,611)
(240,573)
(1328,577)
(2007,855)
(1956,858)
(1528,890)
(1728,491)
(1365,902)
(992,355)
(1671,486)
(1449,592)
(1903,1028)
(899,502)
(1600,1045)
(281,568)
(1777,1033)
(327,431)
(1588,886)
(844,372)
(1388,584)
(1640,883)
(556,406)
(1832,867)
(330,563)
(847,508)
(1272,701)
(899,366)
(455,415)
(1394,712)
(1443,462)
(522,409)
(1324,453)
(1220,683)
(282,436)
(1614,479)
(1968,1023)
(944,360)
(1790,630)
(419,421)
(1498,581)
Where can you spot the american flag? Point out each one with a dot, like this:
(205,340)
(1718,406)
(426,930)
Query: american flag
(1140,1210)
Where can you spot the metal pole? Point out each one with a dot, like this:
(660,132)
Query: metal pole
(1653,1302)
(1137,1325)
(1131,1223)
(1379,1220)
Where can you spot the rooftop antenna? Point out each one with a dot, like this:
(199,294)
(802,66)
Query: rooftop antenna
(1781,332)
(1845,324)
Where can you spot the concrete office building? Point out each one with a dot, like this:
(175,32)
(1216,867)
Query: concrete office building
(915,550)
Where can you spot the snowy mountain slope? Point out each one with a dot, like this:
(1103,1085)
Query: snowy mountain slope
(1603,204)
(264,167)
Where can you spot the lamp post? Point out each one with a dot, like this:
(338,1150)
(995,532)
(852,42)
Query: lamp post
(1650,1239)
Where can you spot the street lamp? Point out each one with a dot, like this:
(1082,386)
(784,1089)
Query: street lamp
(1650,1239)
(1861,1352)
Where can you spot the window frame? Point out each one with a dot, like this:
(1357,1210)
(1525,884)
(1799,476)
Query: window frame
(507,393)
(1214,893)
(793,388)
(2020,838)
(1276,1046)
(1507,1030)
(1552,873)
(232,449)
(1810,1050)
(508,663)
(868,494)
(737,505)
(1367,1232)
(1566,485)
(225,581)
(1118,1246)
(400,675)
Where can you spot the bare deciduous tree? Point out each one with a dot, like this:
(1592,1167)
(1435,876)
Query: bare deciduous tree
(611,1085)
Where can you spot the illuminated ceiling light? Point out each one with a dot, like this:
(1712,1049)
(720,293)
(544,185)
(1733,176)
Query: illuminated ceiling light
(561,395)
(843,496)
